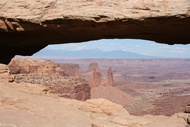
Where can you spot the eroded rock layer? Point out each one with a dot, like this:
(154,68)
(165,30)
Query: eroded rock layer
(34,24)
(52,75)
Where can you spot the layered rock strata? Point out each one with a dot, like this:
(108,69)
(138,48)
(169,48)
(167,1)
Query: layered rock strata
(57,78)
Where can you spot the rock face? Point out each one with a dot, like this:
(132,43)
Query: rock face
(60,79)
(72,91)
(68,87)
(33,26)
(98,78)
(27,65)
(95,79)
(110,81)
(32,109)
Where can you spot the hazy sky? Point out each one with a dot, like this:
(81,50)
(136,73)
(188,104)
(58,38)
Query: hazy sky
(137,46)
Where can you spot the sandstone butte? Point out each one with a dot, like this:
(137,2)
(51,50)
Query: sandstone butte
(60,79)
(34,24)
(25,105)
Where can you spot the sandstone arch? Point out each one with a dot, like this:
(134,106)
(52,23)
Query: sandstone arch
(28,26)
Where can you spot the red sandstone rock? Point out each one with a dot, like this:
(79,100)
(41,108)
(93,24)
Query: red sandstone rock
(110,80)
(95,79)
(96,76)
(27,65)
(62,79)
(73,91)
(68,87)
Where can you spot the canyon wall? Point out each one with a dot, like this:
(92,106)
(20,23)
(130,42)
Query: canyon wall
(61,79)
(98,78)
(27,65)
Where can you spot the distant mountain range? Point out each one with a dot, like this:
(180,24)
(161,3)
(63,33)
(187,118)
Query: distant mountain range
(117,54)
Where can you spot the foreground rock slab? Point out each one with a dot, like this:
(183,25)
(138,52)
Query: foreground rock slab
(20,107)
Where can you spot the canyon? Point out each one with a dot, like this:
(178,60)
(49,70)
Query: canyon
(142,87)
(26,104)
(62,79)
(92,92)
(34,25)
(157,86)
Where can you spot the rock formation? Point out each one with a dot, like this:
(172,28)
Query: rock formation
(28,65)
(25,105)
(68,87)
(72,91)
(110,81)
(95,79)
(105,88)
(60,79)
(33,26)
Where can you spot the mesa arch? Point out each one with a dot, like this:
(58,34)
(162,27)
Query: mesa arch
(28,26)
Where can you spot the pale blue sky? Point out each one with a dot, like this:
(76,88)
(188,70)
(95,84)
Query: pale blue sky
(132,45)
